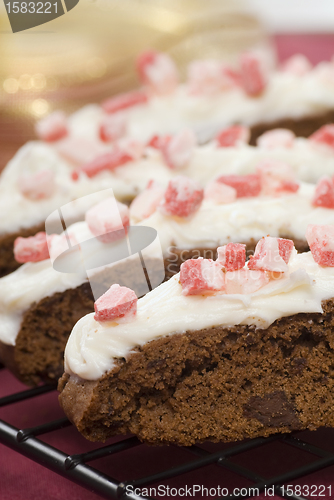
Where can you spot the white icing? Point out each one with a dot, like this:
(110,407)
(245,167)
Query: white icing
(286,95)
(92,347)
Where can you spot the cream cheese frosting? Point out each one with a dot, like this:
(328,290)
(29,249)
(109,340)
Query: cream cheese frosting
(211,226)
(93,347)
(241,221)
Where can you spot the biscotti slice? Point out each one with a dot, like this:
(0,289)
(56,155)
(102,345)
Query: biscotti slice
(222,352)
(61,275)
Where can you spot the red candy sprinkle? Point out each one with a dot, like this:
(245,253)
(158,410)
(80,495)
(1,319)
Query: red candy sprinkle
(325,136)
(252,75)
(159,141)
(232,256)
(158,72)
(277,178)
(124,101)
(37,186)
(108,220)
(276,138)
(245,185)
(324,193)
(233,136)
(178,151)
(113,127)
(320,239)
(219,193)
(31,249)
(108,161)
(198,276)
(53,127)
(183,197)
(145,204)
(79,150)
(205,77)
(116,303)
(271,254)
(245,281)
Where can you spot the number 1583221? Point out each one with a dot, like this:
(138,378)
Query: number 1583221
(31,8)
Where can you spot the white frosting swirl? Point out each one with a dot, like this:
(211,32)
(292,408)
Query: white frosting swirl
(92,347)
(245,219)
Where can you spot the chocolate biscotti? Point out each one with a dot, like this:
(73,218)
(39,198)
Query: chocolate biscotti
(187,226)
(224,351)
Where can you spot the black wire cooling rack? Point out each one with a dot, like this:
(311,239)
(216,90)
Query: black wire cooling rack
(76,468)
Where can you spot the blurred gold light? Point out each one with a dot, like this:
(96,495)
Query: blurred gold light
(11,85)
(39,107)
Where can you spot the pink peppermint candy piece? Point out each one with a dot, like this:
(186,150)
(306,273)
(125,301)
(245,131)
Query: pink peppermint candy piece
(219,193)
(271,254)
(61,243)
(183,197)
(117,303)
(178,151)
(232,256)
(276,138)
(132,147)
(107,161)
(201,276)
(297,65)
(245,281)
(37,186)
(31,249)
(124,101)
(277,178)
(320,239)
(78,150)
(233,136)
(53,127)
(245,185)
(158,72)
(231,77)
(253,78)
(324,193)
(113,127)
(108,220)
(146,203)
(324,136)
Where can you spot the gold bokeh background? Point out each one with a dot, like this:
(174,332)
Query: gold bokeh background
(89,53)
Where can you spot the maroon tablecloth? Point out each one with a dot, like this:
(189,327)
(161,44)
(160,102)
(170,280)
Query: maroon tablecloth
(21,478)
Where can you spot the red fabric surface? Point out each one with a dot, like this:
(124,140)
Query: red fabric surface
(22,478)
(316,47)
